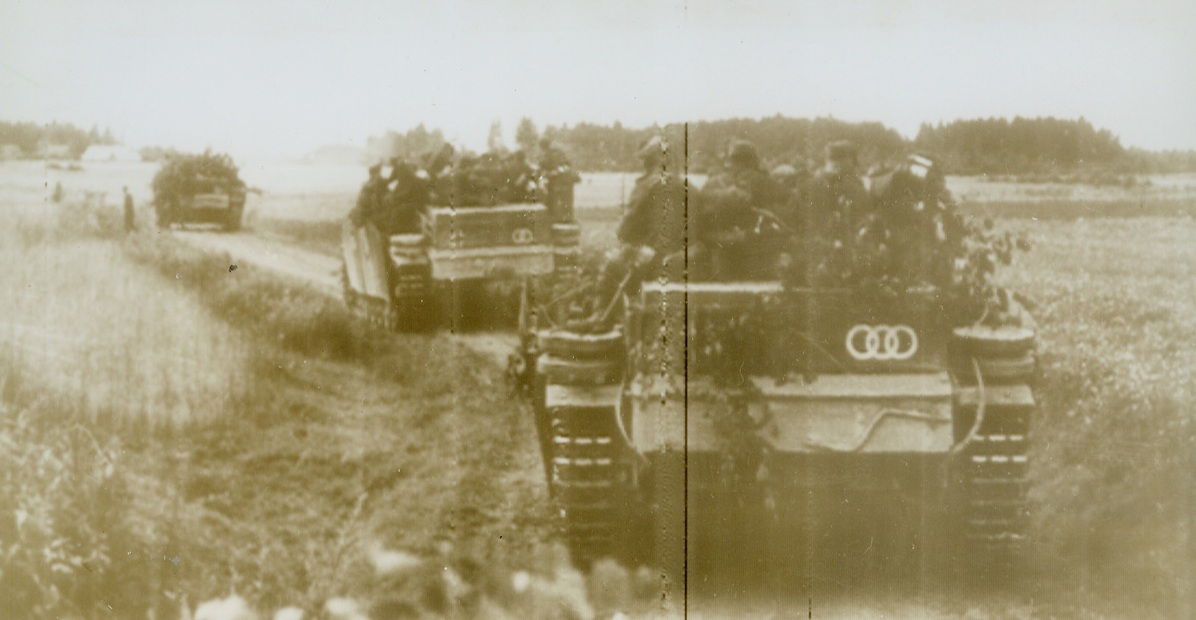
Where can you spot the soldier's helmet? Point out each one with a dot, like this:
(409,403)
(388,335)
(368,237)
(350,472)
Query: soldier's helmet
(376,170)
(843,152)
(656,146)
(743,154)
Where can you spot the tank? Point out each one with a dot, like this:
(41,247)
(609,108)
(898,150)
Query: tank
(199,189)
(225,210)
(723,410)
(409,277)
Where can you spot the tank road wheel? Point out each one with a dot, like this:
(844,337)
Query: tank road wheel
(587,480)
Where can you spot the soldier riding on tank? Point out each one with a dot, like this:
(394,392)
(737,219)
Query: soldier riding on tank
(839,237)
(652,233)
(655,217)
(370,198)
(737,217)
(558,178)
(408,196)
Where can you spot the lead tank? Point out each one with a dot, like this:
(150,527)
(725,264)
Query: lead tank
(706,404)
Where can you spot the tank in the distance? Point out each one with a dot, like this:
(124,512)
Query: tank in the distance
(199,189)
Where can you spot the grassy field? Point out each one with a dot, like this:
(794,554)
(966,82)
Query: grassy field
(1115,446)
(86,326)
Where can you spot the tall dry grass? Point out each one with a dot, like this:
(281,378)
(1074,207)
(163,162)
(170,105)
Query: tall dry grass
(94,331)
(97,358)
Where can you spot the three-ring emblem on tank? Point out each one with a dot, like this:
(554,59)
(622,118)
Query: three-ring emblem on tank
(882,343)
(522,236)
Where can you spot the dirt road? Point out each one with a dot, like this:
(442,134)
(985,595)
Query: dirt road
(254,252)
(249,251)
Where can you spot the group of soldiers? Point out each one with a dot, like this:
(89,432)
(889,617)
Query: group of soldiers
(828,228)
(823,228)
(394,202)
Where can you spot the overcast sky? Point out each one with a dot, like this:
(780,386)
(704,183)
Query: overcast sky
(263,78)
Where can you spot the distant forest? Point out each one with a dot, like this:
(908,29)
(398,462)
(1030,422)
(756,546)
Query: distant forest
(1040,146)
(33,138)
(1022,146)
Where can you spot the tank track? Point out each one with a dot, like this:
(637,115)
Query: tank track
(587,482)
(588,469)
(993,466)
(995,483)
(411,309)
(372,310)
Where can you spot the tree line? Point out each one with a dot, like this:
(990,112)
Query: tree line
(33,138)
(1019,146)
(1041,146)
(780,140)
(995,146)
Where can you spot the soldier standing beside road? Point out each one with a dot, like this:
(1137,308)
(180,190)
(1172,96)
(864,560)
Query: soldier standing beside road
(130,224)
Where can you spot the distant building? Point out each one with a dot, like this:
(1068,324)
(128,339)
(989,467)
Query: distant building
(11,151)
(117,152)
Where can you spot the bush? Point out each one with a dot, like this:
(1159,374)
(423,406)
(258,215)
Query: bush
(63,517)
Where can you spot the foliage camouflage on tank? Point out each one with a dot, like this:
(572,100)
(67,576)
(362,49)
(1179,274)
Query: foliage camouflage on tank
(200,189)
(895,356)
